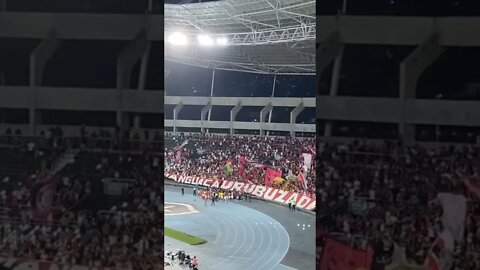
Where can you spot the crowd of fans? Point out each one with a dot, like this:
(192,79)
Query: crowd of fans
(398,186)
(207,155)
(86,226)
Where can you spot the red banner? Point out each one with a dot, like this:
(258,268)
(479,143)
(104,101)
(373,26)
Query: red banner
(270,175)
(339,256)
(266,193)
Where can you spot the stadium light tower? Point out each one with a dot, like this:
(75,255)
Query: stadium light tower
(205,40)
(222,41)
(178,38)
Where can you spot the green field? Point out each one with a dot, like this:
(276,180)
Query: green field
(181,236)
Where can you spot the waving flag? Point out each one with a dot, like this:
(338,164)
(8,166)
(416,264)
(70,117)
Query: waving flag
(228,168)
(307,161)
(339,256)
(301,179)
(440,255)
(454,213)
(473,187)
(43,195)
(270,176)
(178,151)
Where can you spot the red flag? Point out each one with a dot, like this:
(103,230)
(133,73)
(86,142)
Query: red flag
(44,199)
(241,170)
(270,175)
(432,262)
(301,180)
(473,186)
(178,156)
(339,256)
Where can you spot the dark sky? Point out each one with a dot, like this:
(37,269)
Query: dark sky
(97,6)
(236,84)
(401,7)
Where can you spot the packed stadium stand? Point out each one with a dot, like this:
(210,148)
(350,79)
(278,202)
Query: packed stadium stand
(245,120)
(398,120)
(206,156)
(81,135)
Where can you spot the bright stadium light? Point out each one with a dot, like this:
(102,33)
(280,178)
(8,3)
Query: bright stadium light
(222,41)
(205,40)
(178,38)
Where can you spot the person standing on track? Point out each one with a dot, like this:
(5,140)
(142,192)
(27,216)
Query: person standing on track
(213,199)
(204,197)
(194,191)
(290,204)
(183,191)
(294,205)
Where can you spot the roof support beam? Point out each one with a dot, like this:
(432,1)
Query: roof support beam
(233,116)
(130,55)
(293,118)
(263,117)
(329,51)
(38,60)
(203,115)
(410,71)
(176,111)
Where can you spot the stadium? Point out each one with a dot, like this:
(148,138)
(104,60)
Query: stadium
(240,134)
(81,144)
(398,124)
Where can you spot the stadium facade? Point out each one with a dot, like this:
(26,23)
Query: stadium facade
(260,38)
(125,101)
(405,111)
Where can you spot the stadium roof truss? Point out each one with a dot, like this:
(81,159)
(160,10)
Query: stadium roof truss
(263,36)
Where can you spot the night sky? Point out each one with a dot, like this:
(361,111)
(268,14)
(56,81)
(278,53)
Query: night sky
(401,7)
(236,84)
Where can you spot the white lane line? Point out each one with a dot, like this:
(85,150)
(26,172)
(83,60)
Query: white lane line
(229,223)
(168,212)
(270,241)
(242,225)
(259,245)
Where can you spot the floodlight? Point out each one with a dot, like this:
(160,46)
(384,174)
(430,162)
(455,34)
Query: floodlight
(222,41)
(205,40)
(178,38)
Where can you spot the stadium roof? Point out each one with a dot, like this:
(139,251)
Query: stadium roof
(262,36)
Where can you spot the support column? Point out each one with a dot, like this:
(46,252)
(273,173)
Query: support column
(233,116)
(273,95)
(129,56)
(211,94)
(337,69)
(293,118)
(38,60)
(206,109)
(263,117)
(176,110)
(137,122)
(410,71)
(329,51)
(142,76)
